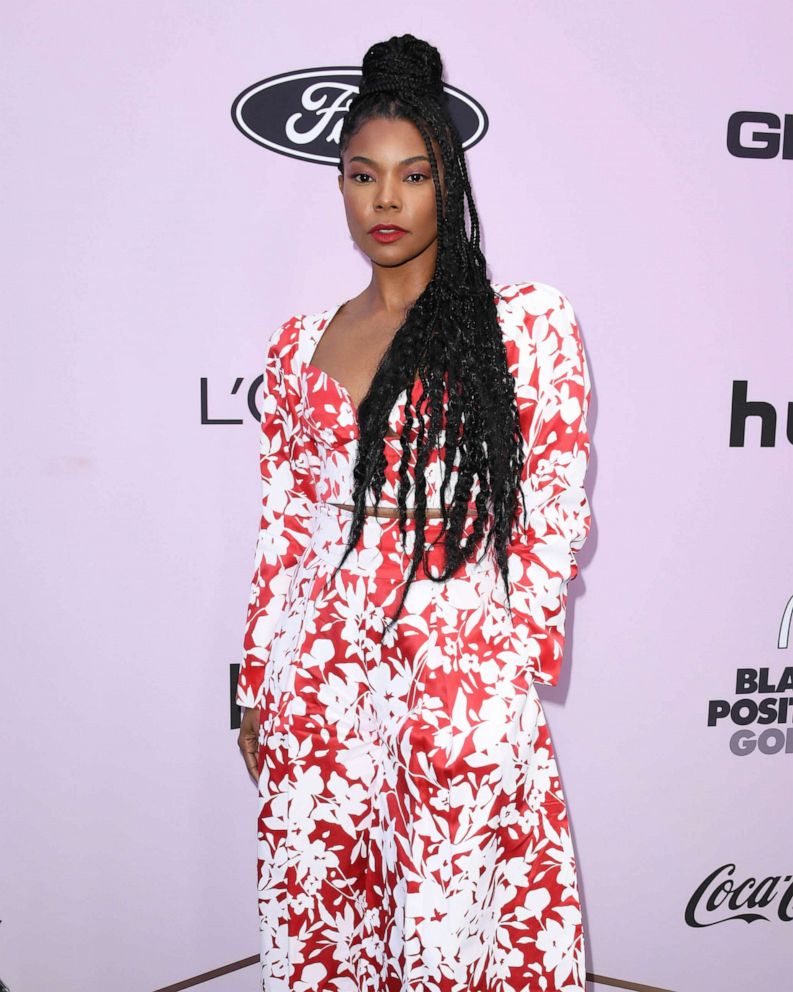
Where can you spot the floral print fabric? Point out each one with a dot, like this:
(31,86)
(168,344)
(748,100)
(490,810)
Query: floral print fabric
(413,831)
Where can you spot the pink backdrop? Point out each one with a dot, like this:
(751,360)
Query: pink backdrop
(149,246)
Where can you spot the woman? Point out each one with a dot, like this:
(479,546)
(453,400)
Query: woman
(413,832)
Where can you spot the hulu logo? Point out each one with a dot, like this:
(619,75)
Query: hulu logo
(743,408)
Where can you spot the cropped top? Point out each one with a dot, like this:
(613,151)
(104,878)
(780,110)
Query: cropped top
(308,445)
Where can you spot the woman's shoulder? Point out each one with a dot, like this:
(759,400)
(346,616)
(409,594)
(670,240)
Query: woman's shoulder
(284,342)
(530,310)
(532,298)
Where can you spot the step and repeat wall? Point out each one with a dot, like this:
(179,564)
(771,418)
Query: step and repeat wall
(170,198)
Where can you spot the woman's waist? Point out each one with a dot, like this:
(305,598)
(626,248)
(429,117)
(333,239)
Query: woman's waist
(382,547)
(388,511)
(335,487)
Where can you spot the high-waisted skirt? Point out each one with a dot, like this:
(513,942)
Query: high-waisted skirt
(412,832)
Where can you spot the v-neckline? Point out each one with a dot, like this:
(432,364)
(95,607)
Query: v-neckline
(325,318)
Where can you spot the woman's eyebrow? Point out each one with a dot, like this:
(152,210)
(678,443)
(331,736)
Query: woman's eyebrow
(405,161)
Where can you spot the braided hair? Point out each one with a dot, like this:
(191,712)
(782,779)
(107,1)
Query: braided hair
(450,339)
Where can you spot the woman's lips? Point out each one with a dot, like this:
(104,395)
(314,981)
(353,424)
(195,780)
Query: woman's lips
(387,236)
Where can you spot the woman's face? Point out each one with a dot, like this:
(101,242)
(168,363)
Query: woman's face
(387,180)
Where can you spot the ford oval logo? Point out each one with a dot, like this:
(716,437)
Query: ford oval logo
(300,113)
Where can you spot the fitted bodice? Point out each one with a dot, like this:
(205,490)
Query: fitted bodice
(329,420)
(309,444)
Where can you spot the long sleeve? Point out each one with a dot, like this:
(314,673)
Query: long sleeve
(288,498)
(553,388)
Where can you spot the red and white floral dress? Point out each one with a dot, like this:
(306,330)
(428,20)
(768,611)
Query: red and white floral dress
(412,828)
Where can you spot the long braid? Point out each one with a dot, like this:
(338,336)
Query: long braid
(450,340)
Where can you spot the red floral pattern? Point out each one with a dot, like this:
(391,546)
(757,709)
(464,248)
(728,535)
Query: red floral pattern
(413,830)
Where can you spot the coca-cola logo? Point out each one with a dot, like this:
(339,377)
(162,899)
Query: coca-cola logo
(719,899)
(300,113)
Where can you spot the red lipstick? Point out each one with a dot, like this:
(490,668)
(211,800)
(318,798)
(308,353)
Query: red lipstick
(385,233)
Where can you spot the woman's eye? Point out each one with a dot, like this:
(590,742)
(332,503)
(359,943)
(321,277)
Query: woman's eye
(360,176)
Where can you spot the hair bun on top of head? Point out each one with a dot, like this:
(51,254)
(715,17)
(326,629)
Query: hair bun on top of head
(403,64)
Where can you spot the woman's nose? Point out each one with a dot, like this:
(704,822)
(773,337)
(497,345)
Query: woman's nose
(387,194)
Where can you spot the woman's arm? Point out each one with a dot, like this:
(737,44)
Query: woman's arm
(553,387)
(288,497)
